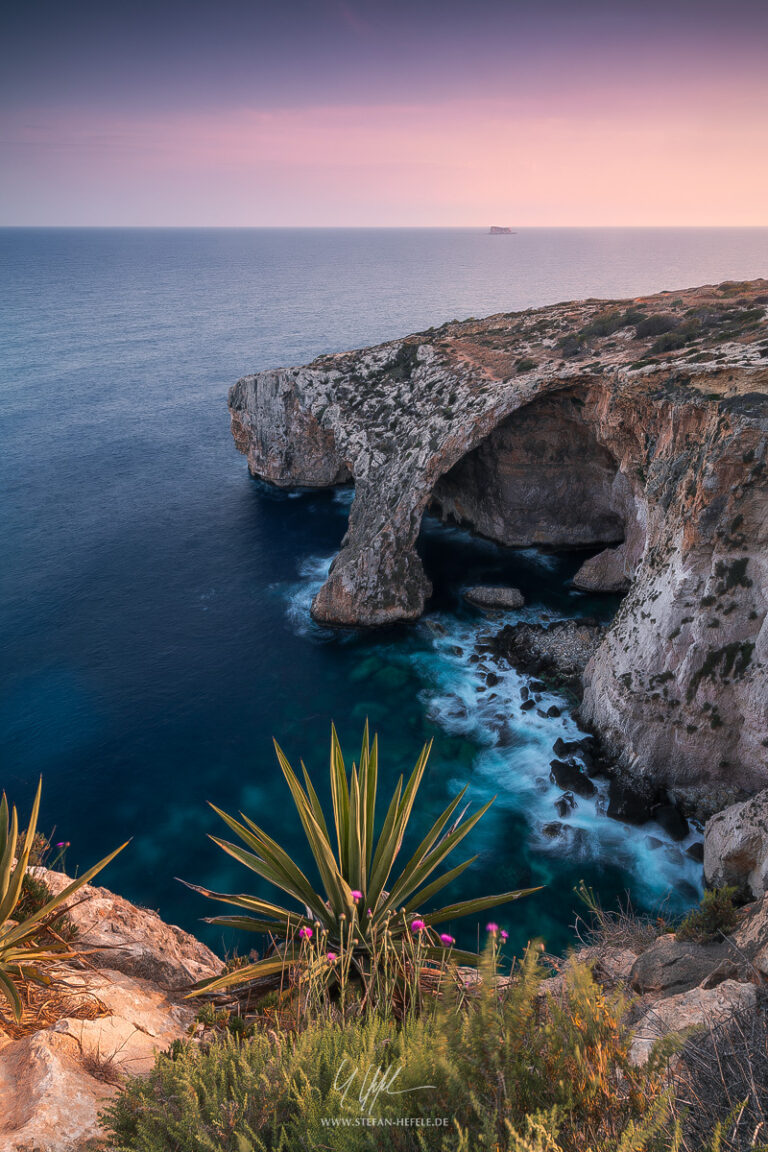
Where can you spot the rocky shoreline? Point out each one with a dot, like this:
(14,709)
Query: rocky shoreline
(554,656)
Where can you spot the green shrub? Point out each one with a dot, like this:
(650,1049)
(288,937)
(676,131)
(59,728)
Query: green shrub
(571,344)
(607,323)
(604,324)
(655,325)
(715,917)
(361,921)
(502,1067)
(668,342)
(35,894)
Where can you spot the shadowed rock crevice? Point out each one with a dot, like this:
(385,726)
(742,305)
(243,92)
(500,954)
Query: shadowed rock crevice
(540,477)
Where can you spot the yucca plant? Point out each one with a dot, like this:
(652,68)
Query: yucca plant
(361,902)
(22,956)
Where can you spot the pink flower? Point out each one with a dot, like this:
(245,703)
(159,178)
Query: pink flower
(446,940)
(63,844)
(330,957)
(356,894)
(492,927)
(369,913)
(305,933)
(417,925)
(504,935)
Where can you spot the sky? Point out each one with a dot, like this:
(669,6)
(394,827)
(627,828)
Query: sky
(355,113)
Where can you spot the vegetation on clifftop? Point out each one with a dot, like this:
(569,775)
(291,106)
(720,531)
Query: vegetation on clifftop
(362,1030)
(514,1068)
(366,923)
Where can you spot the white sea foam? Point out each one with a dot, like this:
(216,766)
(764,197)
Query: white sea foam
(313,573)
(515,747)
(344,496)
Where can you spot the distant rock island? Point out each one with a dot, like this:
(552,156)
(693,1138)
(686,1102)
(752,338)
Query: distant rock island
(636,426)
(497,231)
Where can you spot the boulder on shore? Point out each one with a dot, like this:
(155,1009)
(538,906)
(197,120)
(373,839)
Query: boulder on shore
(559,651)
(485,596)
(606,572)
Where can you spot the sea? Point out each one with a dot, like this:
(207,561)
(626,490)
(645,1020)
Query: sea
(154,598)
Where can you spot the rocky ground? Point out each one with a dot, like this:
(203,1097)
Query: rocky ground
(554,657)
(557,653)
(677,984)
(637,425)
(107,1014)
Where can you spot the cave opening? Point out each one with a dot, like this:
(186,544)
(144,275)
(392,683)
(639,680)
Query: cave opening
(541,478)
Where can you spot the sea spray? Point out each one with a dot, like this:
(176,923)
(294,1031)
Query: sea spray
(511,748)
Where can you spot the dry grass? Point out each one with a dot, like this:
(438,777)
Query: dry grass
(45,1006)
(725,1074)
(102,1068)
(618,928)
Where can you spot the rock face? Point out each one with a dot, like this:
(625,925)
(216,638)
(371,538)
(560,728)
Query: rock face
(495,598)
(736,847)
(700,1007)
(567,426)
(751,937)
(120,1004)
(133,940)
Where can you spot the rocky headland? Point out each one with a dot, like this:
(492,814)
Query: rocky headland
(636,426)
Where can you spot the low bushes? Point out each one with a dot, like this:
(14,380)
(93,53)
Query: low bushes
(656,325)
(513,1069)
(715,917)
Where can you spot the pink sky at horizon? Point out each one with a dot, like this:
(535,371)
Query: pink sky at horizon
(460,163)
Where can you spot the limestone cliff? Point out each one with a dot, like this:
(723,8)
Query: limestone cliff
(639,424)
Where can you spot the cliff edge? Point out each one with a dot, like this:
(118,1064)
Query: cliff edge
(640,425)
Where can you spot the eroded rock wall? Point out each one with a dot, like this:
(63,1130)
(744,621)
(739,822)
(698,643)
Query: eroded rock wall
(678,688)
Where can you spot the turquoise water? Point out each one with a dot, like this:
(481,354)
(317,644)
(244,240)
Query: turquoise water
(154,617)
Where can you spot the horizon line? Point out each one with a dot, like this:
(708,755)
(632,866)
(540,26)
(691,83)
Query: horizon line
(484,228)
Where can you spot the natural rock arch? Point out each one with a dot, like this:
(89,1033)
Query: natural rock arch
(674,448)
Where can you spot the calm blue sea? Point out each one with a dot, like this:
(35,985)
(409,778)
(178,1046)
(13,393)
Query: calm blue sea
(154,623)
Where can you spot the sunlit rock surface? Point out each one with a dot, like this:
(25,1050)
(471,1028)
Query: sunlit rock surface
(121,1001)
